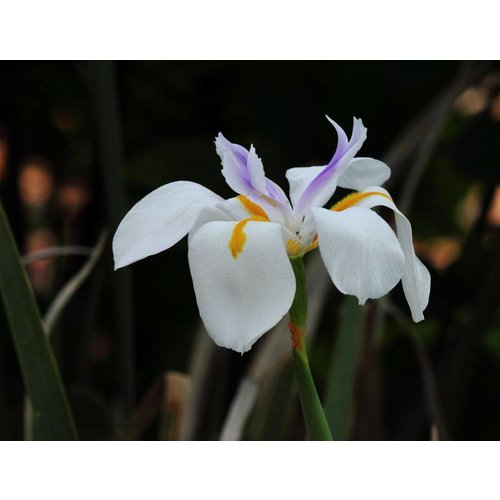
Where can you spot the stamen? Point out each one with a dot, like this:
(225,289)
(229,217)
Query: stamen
(293,248)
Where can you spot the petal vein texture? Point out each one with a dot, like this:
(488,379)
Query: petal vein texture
(160,220)
(240,299)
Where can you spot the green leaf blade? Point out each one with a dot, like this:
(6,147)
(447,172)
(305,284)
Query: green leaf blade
(52,416)
(339,398)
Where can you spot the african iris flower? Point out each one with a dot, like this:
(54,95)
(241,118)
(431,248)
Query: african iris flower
(240,248)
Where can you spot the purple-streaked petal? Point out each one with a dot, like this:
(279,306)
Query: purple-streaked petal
(234,165)
(323,185)
(298,180)
(244,172)
(276,193)
(342,143)
(222,145)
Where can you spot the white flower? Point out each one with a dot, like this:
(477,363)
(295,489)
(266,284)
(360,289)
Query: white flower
(239,249)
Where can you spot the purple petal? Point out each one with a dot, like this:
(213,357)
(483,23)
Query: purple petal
(323,185)
(275,192)
(234,160)
(244,172)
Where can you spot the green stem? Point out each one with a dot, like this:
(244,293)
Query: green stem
(314,416)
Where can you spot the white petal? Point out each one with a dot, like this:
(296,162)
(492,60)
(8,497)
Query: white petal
(217,212)
(364,172)
(256,171)
(417,287)
(159,220)
(240,298)
(234,209)
(416,278)
(360,251)
(231,210)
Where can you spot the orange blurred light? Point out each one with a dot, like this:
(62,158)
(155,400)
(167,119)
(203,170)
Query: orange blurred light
(493,215)
(72,197)
(35,183)
(3,157)
(66,119)
(472,101)
(440,252)
(40,272)
(495,108)
(470,207)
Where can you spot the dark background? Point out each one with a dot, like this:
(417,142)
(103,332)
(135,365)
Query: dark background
(81,142)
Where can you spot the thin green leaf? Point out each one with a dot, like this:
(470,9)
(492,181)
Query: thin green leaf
(340,381)
(51,411)
(110,143)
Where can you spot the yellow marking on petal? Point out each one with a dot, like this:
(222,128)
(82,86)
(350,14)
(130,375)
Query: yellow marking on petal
(353,198)
(252,207)
(293,248)
(238,236)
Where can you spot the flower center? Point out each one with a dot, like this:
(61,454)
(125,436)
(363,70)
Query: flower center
(293,248)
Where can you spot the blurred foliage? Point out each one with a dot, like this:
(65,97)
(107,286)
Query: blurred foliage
(170,115)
